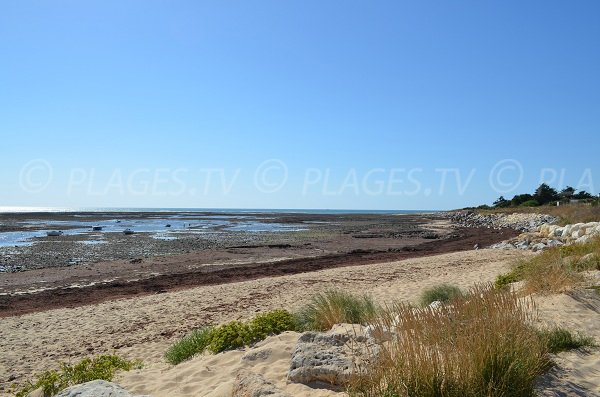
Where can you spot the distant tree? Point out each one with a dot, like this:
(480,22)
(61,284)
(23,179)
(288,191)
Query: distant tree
(583,195)
(501,202)
(567,193)
(520,199)
(544,194)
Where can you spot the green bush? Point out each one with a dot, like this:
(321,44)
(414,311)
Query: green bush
(561,339)
(190,345)
(443,293)
(101,367)
(272,323)
(530,203)
(333,307)
(231,335)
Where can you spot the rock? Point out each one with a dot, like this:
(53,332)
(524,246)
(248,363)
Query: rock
(577,233)
(260,354)
(583,239)
(576,227)
(96,388)
(435,304)
(554,243)
(558,232)
(248,384)
(379,333)
(538,247)
(522,245)
(328,359)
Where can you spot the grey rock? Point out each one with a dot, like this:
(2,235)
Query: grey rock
(255,355)
(248,384)
(96,388)
(538,247)
(329,359)
(522,245)
(554,243)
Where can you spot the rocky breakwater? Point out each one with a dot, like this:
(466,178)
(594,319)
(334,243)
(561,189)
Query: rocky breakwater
(549,235)
(517,221)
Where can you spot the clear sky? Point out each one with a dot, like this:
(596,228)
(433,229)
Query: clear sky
(296,104)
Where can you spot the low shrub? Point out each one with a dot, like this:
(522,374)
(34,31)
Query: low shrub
(100,367)
(504,280)
(443,293)
(189,345)
(231,335)
(272,323)
(560,339)
(333,307)
(530,203)
(481,345)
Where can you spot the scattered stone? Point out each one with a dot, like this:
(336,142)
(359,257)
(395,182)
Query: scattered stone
(248,384)
(521,222)
(96,388)
(549,235)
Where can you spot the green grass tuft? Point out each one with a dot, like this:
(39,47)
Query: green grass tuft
(189,345)
(443,293)
(561,339)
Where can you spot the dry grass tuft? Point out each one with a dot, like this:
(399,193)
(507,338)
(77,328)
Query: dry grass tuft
(556,269)
(481,345)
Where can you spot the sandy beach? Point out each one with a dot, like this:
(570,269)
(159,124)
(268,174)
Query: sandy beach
(142,328)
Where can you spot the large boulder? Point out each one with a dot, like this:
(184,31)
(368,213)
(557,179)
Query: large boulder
(248,384)
(96,388)
(328,359)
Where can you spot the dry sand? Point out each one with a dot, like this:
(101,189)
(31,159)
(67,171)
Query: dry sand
(142,328)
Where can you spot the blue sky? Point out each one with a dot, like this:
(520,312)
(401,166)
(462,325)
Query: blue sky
(283,104)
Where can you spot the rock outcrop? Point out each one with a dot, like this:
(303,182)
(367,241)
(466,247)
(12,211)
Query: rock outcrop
(96,388)
(328,359)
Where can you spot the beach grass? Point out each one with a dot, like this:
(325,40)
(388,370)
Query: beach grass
(189,346)
(560,339)
(554,270)
(442,293)
(334,307)
(481,345)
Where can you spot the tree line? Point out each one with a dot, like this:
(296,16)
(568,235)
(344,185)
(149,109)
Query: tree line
(545,195)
